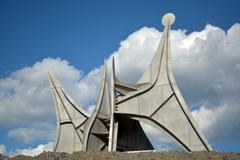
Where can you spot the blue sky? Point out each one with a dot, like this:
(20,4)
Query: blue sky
(80,30)
(86,32)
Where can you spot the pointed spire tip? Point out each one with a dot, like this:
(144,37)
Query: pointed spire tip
(49,74)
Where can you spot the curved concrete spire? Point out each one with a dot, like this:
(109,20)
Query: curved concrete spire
(70,120)
(96,130)
(156,99)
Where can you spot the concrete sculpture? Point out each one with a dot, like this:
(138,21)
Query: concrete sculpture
(114,124)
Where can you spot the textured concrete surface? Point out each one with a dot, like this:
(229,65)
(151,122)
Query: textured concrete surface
(130,156)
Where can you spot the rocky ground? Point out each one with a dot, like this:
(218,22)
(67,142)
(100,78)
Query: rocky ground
(129,156)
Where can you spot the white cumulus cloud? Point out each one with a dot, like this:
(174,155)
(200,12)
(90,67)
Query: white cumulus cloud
(44,131)
(34,151)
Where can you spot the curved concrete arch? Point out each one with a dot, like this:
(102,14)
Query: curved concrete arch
(154,123)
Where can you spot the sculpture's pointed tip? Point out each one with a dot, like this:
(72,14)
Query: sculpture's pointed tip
(113,59)
(105,61)
(50,77)
(168,19)
(53,80)
(105,67)
(50,74)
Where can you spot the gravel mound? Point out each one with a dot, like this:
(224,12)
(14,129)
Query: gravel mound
(129,156)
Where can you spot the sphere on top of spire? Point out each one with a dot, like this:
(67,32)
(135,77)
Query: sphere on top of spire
(168,19)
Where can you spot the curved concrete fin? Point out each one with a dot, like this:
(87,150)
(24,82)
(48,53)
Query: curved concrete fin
(70,120)
(113,128)
(161,98)
(96,130)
